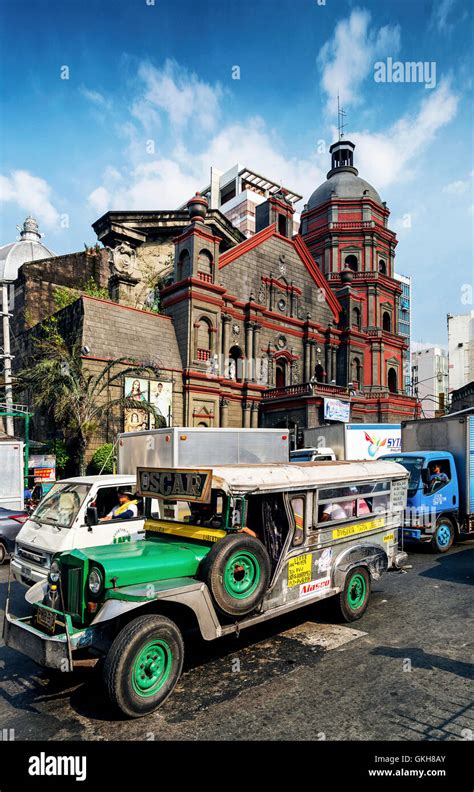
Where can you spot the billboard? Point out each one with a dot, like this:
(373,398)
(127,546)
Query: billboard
(372,441)
(337,410)
(159,393)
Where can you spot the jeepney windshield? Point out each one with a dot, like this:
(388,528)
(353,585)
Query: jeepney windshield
(208,515)
(413,465)
(61,505)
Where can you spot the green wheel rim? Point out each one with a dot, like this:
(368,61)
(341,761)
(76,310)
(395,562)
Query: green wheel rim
(241,575)
(151,668)
(356,591)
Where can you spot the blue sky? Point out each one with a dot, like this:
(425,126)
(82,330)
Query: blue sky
(150,104)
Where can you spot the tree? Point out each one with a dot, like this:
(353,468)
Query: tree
(75,397)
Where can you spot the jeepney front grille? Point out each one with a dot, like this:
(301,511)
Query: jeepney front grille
(72,590)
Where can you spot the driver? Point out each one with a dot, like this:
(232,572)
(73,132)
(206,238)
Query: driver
(126,509)
(436,475)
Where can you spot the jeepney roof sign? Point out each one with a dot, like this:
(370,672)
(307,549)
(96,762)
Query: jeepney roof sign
(175,484)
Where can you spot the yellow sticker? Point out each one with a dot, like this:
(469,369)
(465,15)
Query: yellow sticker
(185,530)
(300,570)
(389,537)
(350,530)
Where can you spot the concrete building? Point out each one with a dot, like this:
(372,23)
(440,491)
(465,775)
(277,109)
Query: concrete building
(404,325)
(239,191)
(430,380)
(460,349)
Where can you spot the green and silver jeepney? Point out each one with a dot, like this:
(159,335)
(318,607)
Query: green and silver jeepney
(226,548)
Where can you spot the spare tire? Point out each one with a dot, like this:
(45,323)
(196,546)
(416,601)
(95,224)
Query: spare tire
(237,573)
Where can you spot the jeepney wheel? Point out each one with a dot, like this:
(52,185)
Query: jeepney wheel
(237,573)
(352,602)
(143,665)
(3,553)
(443,536)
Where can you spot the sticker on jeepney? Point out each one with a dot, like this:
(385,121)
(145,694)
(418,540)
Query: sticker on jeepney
(324,561)
(399,494)
(300,570)
(314,586)
(351,530)
(389,537)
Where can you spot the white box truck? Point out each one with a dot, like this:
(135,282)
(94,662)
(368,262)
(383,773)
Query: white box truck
(353,441)
(12,487)
(76,512)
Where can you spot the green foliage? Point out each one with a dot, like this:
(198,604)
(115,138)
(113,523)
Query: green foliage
(77,399)
(58,448)
(102,460)
(65,295)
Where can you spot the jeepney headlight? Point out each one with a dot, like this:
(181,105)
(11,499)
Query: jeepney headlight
(95,581)
(54,572)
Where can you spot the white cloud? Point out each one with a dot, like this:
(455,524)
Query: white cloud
(95,97)
(460,186)
(30,193)
(346,59)
(388,157)
(439,16)
(179,94)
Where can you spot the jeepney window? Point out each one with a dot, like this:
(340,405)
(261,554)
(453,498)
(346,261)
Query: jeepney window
(297,507)
(355,501)
(209,515)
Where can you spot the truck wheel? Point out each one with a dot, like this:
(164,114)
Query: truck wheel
(143,665)
(351,603)
(443,536)
(237,573)
(3,553)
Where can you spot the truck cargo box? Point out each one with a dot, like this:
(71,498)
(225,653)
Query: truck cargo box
(189,446)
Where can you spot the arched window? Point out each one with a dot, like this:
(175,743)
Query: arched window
(386,321)
(352,263)
(282,225)
(235,364)
(204,339)
(356,372)
(319,373)
(280,373)
(205,266)
(382,267)
(392,380)
(183,265)
(356,318)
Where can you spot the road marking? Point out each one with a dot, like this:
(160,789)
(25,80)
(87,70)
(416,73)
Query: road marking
(325,636)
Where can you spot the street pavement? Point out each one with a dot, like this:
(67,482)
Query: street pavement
(403,672)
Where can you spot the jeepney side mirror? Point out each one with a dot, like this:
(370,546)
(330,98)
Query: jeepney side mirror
(92,516)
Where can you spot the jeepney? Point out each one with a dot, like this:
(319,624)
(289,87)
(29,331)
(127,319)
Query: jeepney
(242,544)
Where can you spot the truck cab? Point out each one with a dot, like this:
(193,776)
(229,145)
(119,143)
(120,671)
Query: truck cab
(433,497)
(71,515)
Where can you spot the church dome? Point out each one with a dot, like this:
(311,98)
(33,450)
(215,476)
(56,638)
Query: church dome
(28,248)
(343,180)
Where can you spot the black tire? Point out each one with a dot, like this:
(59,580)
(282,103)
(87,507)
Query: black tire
(237,573)
(443,536)
(3,553)
(345,603)
(129,682)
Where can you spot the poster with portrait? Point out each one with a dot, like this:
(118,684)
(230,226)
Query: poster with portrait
(136,389)
(161,397)
(135,420)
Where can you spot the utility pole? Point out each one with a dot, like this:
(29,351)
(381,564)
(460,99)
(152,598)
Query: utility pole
(7,360)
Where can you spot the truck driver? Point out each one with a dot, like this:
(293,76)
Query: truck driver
(126,509)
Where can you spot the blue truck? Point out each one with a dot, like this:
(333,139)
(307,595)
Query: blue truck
(439,455)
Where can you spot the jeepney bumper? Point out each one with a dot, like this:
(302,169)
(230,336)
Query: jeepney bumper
(400,558)
(47,651)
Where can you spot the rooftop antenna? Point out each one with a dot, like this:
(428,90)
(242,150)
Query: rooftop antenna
(341,114)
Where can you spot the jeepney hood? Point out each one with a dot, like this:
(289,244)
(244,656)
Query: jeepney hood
(158,558)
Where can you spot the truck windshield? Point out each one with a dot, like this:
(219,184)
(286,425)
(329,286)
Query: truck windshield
(413,465)
(61,505)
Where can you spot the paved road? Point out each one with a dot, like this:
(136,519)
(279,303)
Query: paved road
(403,672)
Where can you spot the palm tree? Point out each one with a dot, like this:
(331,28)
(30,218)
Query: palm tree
(77,399)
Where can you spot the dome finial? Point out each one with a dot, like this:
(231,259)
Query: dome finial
(30,229)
